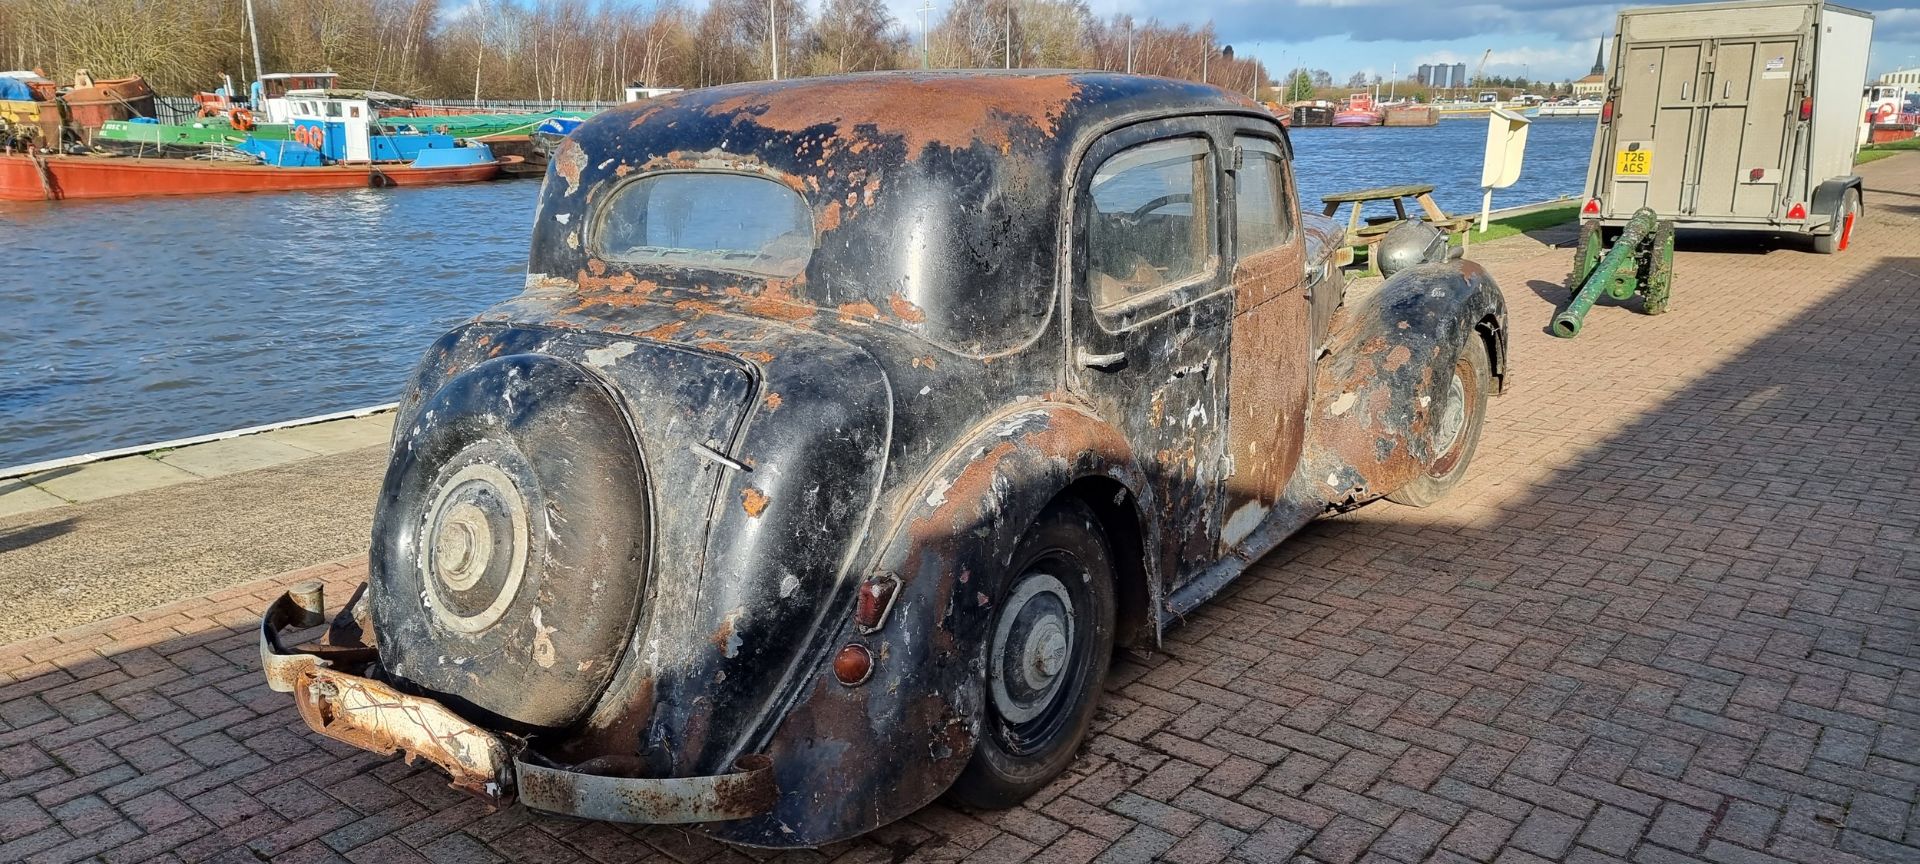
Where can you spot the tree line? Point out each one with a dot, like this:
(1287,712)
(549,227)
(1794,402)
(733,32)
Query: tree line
(588,49)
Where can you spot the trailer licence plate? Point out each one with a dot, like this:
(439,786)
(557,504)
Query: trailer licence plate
(1636,162)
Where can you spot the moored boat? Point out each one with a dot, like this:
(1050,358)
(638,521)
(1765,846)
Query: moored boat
(37,177)
(337,142)
(1315,113)
(1412,114)
(1360,111)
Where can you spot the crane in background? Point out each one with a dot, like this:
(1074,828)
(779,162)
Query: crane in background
(1480,71)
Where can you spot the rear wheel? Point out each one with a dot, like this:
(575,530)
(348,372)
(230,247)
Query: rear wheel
(1455,429)
(1844,224)
(1047,653)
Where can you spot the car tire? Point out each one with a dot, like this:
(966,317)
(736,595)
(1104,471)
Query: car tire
(1060,578)
(1473,376)
(478,583)
(1831,242)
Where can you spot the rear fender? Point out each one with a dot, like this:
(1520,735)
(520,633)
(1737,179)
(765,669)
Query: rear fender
(1382,377)
(1830,195)
(910,727)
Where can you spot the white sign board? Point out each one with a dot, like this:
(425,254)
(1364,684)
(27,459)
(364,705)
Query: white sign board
(1506,148)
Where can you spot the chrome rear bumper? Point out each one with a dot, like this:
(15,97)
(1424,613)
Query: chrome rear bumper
(372,715)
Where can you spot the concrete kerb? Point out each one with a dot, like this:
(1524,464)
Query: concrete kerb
(93,476)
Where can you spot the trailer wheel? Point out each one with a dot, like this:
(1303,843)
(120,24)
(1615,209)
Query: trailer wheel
(1457,427)
(1844,224)
(1046,659)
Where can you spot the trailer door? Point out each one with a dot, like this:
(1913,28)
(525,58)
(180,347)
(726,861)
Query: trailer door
(1747,136)
(1654,128)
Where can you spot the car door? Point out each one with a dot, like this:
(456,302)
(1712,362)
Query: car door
(1149,312)
(1268,368)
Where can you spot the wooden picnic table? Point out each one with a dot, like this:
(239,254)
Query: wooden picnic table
(1367,232)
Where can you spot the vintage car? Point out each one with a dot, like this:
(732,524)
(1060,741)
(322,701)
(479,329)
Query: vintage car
(844,428)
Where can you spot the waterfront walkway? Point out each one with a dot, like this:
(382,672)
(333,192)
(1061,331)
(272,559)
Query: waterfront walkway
(1674,615)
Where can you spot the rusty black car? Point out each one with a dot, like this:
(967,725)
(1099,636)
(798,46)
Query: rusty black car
(844,428)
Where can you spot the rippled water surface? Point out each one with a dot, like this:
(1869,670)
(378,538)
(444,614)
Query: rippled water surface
(126,322)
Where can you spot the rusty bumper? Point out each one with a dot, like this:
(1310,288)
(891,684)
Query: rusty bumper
(340,703)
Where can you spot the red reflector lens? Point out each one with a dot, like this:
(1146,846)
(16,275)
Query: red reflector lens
(1806,107)
(1756,174)
(853,664)
(1606,111)
(1592,208)
(1797,211)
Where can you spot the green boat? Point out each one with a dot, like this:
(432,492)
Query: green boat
(479,125)
(202,132)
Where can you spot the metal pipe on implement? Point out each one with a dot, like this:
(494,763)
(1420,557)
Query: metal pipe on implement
(1566,325)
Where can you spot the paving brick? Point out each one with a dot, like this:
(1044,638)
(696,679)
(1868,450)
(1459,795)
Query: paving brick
(1546,833)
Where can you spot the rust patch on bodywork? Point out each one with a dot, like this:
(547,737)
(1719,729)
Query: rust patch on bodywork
(1268,373)
(568,162)
(858,312)
(664,331)
(753,501)
(921,110)
(904,309)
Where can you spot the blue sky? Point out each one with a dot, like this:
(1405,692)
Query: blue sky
(1544,39)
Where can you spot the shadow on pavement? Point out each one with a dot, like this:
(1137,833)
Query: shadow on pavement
(27,535)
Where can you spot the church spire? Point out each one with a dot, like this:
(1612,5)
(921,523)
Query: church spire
(1600,58)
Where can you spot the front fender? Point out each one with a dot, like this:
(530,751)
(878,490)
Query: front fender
(1380,381)
(873,752)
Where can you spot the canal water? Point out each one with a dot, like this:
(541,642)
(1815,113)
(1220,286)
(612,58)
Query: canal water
(128,322)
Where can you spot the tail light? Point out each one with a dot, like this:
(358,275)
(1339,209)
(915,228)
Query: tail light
(1797,211)
(1606,112)
(1592,208)
(1806,108)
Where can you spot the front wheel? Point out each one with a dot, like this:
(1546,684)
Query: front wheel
(1456,428)
(1046,658)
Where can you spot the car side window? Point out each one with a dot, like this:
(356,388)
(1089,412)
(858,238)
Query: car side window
(1151,224)
(1260,209)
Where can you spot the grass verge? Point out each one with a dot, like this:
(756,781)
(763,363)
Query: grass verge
(1877,152)
(1511,225)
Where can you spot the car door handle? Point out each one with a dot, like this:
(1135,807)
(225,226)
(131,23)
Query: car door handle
(1102,362)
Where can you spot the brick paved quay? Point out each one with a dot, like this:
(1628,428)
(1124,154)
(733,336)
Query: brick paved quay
(1674,616)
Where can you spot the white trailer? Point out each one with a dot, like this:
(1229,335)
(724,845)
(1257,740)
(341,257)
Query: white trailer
(1739,116)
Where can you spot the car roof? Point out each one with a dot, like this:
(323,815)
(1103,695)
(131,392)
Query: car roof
(935,196)
(947,108)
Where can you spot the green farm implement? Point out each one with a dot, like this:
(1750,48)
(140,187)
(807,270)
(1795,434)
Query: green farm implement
(1639,262)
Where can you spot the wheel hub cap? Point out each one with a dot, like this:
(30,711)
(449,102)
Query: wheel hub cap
(1032,644)
(476,547)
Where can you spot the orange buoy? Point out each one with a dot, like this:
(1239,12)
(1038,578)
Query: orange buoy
(241,120)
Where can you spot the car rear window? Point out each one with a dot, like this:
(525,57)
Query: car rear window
(707,220)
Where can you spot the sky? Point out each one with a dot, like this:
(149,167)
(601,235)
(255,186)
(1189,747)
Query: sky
(1544,40)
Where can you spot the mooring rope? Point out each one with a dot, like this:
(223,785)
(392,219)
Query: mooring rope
(46,174)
